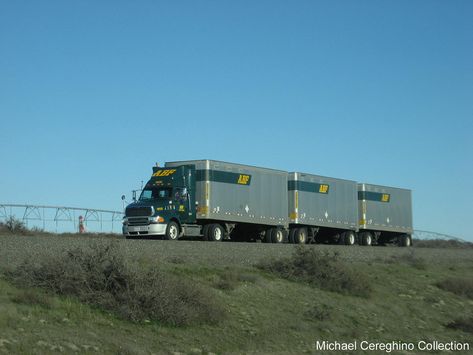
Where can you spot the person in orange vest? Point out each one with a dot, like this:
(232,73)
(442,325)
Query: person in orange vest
(81,225)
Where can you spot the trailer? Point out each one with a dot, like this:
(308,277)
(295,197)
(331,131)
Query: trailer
(385,214)
(218,200)
(322,209)
(215,199)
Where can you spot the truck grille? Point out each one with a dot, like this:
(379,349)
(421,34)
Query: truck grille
(138,221)
(139,211)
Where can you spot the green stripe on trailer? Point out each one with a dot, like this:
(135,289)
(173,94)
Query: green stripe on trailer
(226,177)
(297,185)
(374,196)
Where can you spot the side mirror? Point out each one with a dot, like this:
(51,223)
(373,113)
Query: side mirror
(123,197)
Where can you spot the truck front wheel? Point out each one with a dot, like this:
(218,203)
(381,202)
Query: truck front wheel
(172,231)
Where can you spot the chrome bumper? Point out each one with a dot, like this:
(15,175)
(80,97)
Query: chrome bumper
(150,229)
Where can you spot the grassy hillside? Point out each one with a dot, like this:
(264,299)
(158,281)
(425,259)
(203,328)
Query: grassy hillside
(412,294)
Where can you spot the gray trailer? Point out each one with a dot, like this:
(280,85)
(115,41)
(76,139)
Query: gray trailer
(322,208)
(239,193)
(385,214)
(234,200)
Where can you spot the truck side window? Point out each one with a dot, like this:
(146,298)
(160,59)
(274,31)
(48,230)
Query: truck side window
(181,194)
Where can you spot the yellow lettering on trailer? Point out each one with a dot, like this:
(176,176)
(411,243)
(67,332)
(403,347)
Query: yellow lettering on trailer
(243,179)
(323,189)
(385,198)
(165,172)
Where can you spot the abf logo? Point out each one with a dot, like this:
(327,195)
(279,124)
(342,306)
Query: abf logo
(244,179)
(166,172)
(323,189)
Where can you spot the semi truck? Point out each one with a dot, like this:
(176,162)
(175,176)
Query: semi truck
(217,200)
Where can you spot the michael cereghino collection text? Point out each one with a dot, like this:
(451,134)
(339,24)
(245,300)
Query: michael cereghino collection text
(324,345)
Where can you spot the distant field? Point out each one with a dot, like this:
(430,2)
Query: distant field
(263,312)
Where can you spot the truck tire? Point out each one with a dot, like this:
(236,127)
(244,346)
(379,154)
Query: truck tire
(267,236)
(172,231)
(366,238)
(278,235)
(205,232)
(291,235)
(348,238)
(404,240)
(300,236)
(215,233)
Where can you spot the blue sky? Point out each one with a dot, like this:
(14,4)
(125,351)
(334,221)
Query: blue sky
(93,93)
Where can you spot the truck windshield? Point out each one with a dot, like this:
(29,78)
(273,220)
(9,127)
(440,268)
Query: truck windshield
(155,193)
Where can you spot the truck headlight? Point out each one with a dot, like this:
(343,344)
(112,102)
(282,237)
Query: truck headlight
(125,221)
(156,219)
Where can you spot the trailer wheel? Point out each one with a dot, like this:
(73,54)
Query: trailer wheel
(267,238)
(291,235)
(215,233)
(300,236)
(278,235)
(404,240)
(349,238)
(172,231)
(205,232)
(366,238)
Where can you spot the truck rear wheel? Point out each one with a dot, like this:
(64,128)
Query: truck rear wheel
(366,238)
(267,236)
(404,240)
(278,235)
(348,238)
(300,236)
(215,233)
(172,231)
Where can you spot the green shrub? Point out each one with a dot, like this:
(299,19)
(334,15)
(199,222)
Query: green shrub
(13,225)
(320,269)
(100,276)
(458,286)
(464,324)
